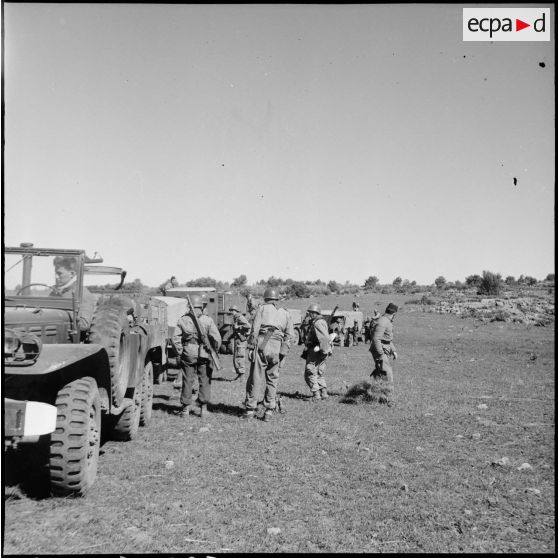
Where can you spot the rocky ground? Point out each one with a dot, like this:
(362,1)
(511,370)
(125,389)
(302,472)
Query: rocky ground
(514,307)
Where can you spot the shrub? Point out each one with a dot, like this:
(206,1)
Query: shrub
(333,286)
(500,316)
(473,280)
(298,290)
(371,282)
(491,283)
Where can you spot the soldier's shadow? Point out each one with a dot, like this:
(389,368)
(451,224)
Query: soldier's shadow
(224,409)
(295,395)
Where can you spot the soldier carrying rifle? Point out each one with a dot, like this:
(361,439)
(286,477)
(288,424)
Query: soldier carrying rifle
(318,348)
(197,339)
(241,329)
(268,345)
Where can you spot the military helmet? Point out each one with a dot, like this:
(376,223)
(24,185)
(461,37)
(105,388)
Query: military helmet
(197,301)
(234,307)
(270,294)
(314,307)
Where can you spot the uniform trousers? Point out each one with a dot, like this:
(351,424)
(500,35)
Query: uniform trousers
(314,370)
(192,369)
(262,376)
(239,358)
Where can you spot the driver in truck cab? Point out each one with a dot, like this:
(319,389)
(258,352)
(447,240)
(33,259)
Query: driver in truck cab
(66,283)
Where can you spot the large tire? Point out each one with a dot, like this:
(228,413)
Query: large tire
(146,407)
(127,424)
(74,445)
(110,329)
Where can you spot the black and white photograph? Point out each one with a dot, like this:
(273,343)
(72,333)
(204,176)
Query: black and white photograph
(278,278)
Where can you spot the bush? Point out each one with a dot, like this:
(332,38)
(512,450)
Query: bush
(298,290)
(491,283)
(500,316)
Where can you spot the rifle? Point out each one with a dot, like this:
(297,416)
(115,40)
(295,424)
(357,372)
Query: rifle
(203,336)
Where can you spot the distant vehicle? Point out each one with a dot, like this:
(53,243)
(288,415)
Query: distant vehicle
(347,318)
(297,318)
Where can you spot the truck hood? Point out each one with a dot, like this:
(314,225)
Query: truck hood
(49,324)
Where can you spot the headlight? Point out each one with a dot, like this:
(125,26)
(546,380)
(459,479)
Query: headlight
(21,348)
(11,342)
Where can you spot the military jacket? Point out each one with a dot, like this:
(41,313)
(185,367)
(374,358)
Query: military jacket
(241,327)
(187,340)
(383,335)
(268,315)
(318,335)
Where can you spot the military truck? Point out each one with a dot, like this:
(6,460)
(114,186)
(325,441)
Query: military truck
(65,384)
(218,304)
(297,318)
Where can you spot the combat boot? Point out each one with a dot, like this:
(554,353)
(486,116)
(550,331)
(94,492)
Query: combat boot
(203,411)
(316,396)
(185,411)
(267,415)
(324,393)
(247,415)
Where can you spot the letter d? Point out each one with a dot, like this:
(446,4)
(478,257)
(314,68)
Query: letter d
(535,24)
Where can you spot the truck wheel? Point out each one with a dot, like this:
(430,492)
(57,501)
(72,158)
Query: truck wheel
(74,445)
(296,338)
(146,407)
(127,424)
(110,329)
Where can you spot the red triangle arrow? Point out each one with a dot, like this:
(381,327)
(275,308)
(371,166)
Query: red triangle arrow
(519,25)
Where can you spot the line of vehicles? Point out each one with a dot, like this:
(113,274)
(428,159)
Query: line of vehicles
(68,387)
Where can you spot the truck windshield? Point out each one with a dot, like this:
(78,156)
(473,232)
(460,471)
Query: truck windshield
(37,275)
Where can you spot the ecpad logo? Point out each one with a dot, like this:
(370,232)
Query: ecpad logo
(506,24)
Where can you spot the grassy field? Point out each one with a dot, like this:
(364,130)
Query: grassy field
(464,461)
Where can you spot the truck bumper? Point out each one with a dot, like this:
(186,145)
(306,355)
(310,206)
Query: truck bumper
(27,420)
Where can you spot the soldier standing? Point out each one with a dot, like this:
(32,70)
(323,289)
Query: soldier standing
(269,343)
(382,347)
(241,329)
(355,333)
(194,359)
(317,350)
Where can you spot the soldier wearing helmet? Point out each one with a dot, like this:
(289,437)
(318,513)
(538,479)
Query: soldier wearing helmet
(317,350)
(194,359)
(382,348)
(241,329)
(268,344)
(204,302)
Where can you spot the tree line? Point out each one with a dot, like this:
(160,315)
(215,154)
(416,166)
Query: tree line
(488,283)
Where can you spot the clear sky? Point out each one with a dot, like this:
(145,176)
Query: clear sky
(302,141)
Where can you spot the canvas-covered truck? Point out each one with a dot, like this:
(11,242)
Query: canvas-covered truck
(77,364)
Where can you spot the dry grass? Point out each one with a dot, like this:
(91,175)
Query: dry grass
(422,476)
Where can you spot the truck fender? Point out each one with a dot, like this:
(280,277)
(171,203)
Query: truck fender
(138,351)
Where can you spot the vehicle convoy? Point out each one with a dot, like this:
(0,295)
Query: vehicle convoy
(67,381)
